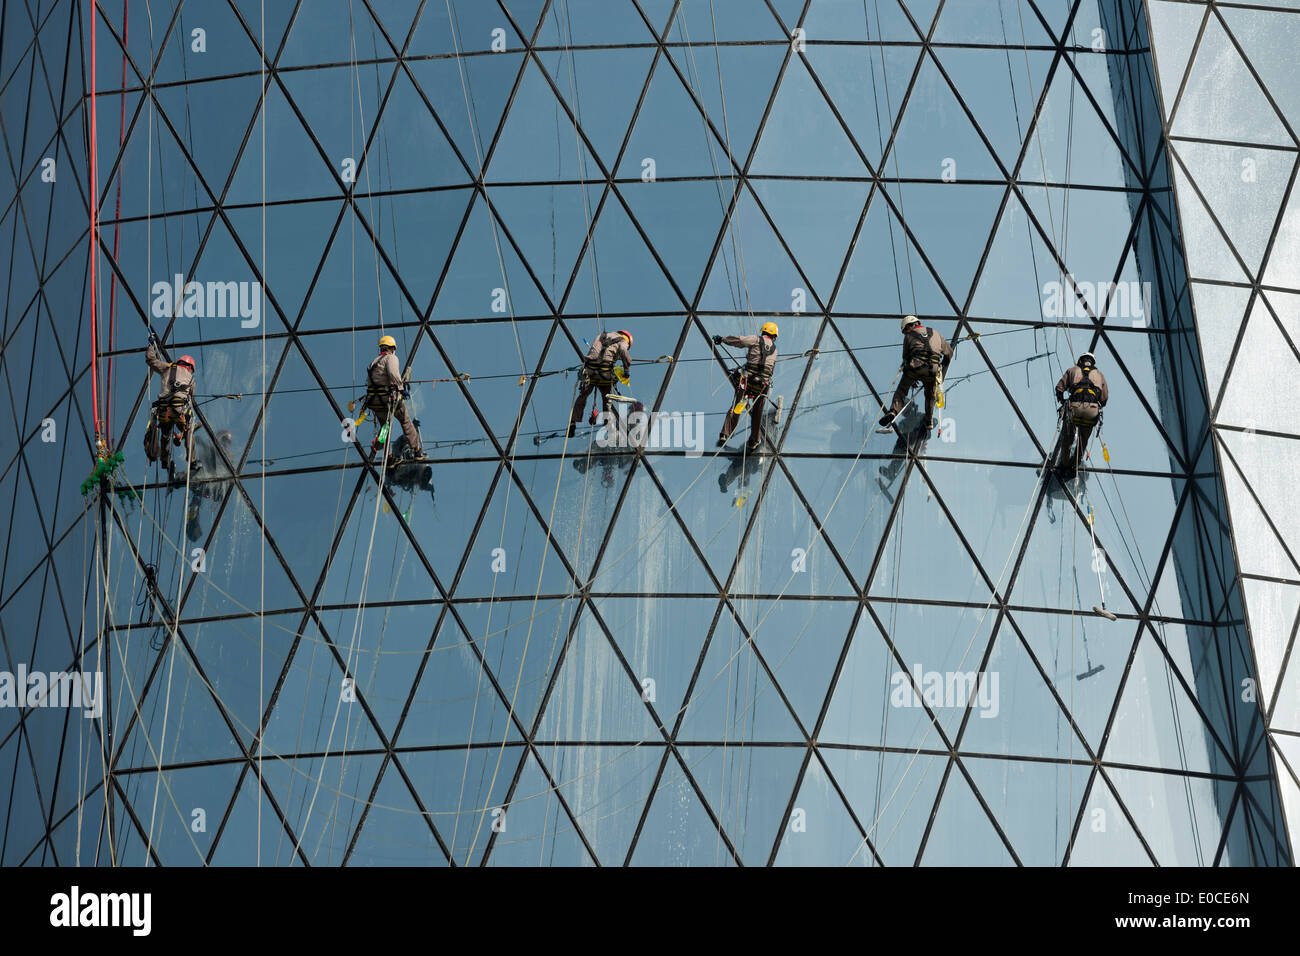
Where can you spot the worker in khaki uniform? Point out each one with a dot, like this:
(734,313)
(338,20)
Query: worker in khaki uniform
(598,372)
(1083,390)
(926,355)
(751,383)
(386,392)
(172,408)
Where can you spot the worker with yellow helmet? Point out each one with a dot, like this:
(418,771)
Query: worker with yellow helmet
(386,392)
(751,382)
(599,372)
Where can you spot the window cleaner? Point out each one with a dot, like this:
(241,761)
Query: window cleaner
(751,383)
(386,395)
(926,355)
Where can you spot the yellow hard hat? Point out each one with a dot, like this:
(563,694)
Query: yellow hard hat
(387,341)
(769,328)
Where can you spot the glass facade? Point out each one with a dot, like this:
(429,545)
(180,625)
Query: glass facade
(855,648)
(1229,102)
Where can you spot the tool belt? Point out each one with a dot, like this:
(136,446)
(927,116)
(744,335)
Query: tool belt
(380,398)
(751,381)
(598,373)
(174,408)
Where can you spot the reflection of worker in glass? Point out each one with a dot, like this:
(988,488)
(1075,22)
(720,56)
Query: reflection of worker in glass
(209,477)
(912,436)
(743,467)
(1084,391)
(608,463)
(406,474)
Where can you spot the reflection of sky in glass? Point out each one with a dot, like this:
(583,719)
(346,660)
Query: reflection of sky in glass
(543,631)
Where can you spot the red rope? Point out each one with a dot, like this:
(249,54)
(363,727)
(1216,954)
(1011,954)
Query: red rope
(117,229)
(94,227)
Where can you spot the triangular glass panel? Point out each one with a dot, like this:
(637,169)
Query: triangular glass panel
(334,31)
(885,274)
(618,273)
(1267,39)
(892,795)
(1241,186)
(536,831)
(464,792)
(734,84)
(469,94)
(663,668)
(682,220)
(394,832)
(752,271)
(292,168)
(1035,803)
(678,830)
(486,276)
(594,698)
(1181,817)
(821,831)
(817,220)
(788,528)
(752,812)
(534,111)
(1222,100)
(1104,836)
(671,132)
(1174,29)
(619,75)
(323,800)
(1015,713)
(802,643)
(606,789)
(873,702)
(1155,710)
(1014,26)
(408,150)
(733,699)
(1001,90)
(802,136)
(961,832)
(1272,608)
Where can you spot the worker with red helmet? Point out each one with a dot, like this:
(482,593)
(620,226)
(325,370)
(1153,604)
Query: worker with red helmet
(172,407)
(598,371)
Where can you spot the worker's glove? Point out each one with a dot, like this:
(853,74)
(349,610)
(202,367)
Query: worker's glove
(717,340)
(153,337)
(406,392)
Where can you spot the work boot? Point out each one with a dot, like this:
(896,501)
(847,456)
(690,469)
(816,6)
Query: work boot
(573,428)
(886,419)
(721,441)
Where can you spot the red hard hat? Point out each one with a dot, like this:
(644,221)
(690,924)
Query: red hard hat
(626,334)
(187,360)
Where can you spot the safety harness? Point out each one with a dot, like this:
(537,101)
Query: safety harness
(173,407)
(379,397)
(600,372)
(931,359)
(755,379)
(1085,391)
